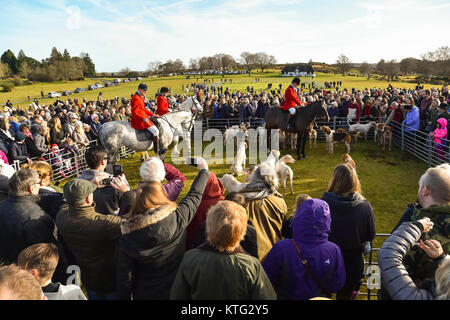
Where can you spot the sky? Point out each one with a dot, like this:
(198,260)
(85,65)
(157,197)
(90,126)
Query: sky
(132,33)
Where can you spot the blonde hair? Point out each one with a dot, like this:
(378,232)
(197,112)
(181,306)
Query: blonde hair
(40,256)
(344,180)
(442,280)
(299,200)
(20,284)
(437,180)
(226,225)
(41,167)
(150,195)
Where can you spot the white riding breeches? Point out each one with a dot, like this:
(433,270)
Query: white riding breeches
(292,111)
(154,130)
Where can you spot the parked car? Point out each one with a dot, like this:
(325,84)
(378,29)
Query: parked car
(126,80)
(78,90)
(117,80)
(54,94)
(138,78)
(92,87)
(67,93)
(99,85)
(109,84)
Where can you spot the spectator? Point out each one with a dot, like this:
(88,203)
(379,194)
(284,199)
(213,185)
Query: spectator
(56,131)
(18,149)
(79,136)
(41,260)
(306,265)
(433,202)
(263,106)
(343,107)
(245,111)
(333,110)
(266,208)
(440,136)
(213,193)
(17,284)
(91,237)
(286,229)
(425,104)
(107,198)
(32,149)
(7,133)
(352,225)
(40,139)
(22,221)
(221,263)
(69,127)
(353,111)
(398,283)
(412,121)
(153,242)
(6,172)
(95,126)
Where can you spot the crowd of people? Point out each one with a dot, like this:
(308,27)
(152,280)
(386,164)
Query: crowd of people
(147,243)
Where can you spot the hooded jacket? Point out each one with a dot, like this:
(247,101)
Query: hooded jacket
(213,193)
(441,133)
(152,246)
(412,120)
(283,265)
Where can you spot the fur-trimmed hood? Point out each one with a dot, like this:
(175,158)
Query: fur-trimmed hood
(141,221)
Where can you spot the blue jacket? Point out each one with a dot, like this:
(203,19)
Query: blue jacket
(261,110)
(333,112)
(245,112)
(216,111)
(310,230)
(224,112)
(412,120)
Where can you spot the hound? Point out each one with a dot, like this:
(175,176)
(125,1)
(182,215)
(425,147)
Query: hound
(387,137)
(346,159)
(364,128)
(333,137)
(238,165)
(231,183)
(272,158)
(284,171)
(312,136)
(236,132)
(378,128)
(291,139)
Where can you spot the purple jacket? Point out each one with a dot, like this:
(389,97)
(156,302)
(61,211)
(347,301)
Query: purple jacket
(175,182)
(310,230)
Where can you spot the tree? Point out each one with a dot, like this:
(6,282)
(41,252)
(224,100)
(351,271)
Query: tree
(381,66)
(392,69)
(193,64)
(364,68)
(24,69)
(343,63)
(90,66)
(10,59)
(66,56)
(409,65)
(4,70)
(153,66)
(225,61)
(248,60)
(264,61)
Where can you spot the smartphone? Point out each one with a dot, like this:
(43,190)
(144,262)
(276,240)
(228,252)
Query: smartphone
(117,170)
(191,162)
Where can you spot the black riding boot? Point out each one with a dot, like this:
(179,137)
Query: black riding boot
(156,145)
(291,124)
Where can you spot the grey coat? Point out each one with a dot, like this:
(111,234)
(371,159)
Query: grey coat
(41,143)
(394,276)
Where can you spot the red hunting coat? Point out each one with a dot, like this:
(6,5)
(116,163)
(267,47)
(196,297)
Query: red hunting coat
(291,99)
(162,105)
(139,113)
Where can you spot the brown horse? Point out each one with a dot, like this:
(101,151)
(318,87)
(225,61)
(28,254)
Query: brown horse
(276,118)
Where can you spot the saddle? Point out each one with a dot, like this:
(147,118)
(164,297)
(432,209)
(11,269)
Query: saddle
(145,135)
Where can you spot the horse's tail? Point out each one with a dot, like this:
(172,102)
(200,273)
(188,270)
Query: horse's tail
(99,141)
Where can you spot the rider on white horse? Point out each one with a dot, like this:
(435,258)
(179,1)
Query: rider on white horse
(140,115)
(161,102)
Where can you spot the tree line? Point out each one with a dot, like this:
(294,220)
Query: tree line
(432,65)
(58,67)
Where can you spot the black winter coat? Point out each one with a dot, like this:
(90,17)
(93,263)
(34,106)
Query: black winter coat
(23,223)
(153,244)
(17,151)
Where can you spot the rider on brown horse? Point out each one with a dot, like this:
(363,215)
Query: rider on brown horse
(291,101)
(140,115)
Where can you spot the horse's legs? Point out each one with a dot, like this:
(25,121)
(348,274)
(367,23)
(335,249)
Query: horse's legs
(303,144)
(299,143)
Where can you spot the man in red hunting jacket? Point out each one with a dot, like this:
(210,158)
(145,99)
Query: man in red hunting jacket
(140,115)
(291,101)
(162,103)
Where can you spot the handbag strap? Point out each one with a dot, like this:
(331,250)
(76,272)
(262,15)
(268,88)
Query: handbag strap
(308,271)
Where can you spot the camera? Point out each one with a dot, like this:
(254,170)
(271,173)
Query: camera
(117,170)
(107,181)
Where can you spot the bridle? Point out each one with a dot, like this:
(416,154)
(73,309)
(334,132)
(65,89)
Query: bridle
(191,121)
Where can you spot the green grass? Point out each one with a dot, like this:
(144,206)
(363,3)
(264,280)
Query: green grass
(389,180)
(175,83)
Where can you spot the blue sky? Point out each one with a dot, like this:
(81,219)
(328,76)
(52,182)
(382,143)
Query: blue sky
(120,34)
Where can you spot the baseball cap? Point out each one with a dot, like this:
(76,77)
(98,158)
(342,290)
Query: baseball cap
(77,190)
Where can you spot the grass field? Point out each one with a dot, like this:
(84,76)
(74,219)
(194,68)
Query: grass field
(175,83)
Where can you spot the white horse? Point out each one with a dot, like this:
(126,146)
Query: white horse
(116,134)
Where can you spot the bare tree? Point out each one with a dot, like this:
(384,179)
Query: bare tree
(194,64)
(264,60)
(392,69)
(364,68)
(153,66)
(343,63)
(24,69)
(4,70)
(248,60)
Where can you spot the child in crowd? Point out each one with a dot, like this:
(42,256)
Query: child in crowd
(40,260)
(439,135)
(286,229)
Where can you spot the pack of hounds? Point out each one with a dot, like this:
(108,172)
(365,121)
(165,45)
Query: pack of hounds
(239,133)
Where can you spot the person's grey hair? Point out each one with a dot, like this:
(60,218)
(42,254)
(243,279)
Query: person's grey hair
(437,180)
(442,280)
(152,170)
(22,180)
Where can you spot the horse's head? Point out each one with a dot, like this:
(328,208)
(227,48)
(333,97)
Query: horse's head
(320,110)
(196,107)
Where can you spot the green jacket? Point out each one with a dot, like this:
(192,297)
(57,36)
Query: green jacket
(433,116)
(93,240)
(417,263)
(205,273)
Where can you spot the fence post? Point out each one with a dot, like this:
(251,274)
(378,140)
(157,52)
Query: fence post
(334,123)
(77,164)
(403,137)
(430,150)
(207,123)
